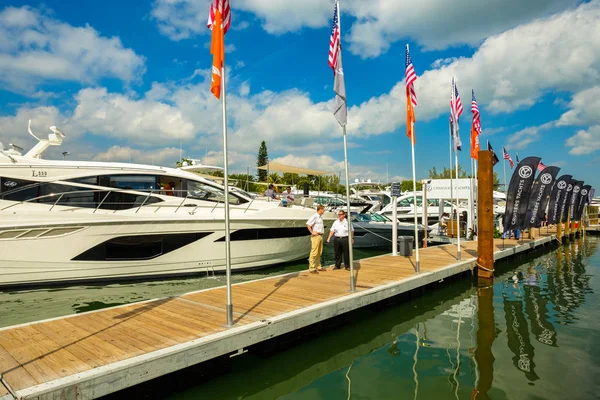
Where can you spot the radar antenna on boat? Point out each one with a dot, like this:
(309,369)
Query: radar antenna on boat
(54,139)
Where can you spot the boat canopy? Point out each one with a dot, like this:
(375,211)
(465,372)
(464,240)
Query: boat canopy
(277,167)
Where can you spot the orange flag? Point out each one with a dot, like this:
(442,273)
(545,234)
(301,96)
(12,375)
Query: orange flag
(217,49)
(410,119)
(474,143)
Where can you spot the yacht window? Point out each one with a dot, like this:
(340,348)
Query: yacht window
(12,185)
(203,191)
(88,180)
(135,182)
(75,196)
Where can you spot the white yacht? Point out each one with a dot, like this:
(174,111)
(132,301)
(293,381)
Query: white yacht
(372,193)
(78,220)
(406,208)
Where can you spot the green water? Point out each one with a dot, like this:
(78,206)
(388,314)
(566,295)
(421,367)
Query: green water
(543,337)
(21,306)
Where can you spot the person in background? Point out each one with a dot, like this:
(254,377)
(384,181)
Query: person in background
(168,188)
(316,227)
(340,243)
(289,196)
(270,192)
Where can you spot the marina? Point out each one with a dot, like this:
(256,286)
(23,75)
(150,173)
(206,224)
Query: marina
(96,353)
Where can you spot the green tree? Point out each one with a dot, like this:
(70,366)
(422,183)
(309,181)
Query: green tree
(262,159)
(407,186)
(183,162)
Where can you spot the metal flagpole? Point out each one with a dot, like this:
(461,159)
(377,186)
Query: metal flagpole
(415,204)
(348,215)
(457,214)
(454,128)
(504,167)
(226,183)
(450,152)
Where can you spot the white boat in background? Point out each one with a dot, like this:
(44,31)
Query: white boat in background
(373,193)
(406,208)
(64,221)
(375,230)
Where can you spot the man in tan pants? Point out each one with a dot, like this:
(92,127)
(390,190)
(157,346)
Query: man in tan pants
(316,228)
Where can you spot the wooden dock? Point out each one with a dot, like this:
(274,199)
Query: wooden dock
(96,353)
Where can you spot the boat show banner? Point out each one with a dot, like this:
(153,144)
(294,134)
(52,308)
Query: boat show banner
(585,199)
(566,200)
(519,192)
(574,205)
(539,196)
(556,197)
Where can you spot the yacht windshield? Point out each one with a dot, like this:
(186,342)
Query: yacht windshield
(202,191)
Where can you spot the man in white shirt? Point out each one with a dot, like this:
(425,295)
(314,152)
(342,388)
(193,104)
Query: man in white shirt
(340,243)
(289,196)
(316,227)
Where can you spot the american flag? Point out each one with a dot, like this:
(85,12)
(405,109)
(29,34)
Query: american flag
(410,77)
(223,7)
(506,156)
(456,107)
(541,166)
(334,39)
(475,111)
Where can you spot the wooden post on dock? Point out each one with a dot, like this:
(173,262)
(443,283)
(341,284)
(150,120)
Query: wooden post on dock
(568,226)
(485,216)
(559,230)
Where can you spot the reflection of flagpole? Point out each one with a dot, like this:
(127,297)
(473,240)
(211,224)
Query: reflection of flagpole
(415,358)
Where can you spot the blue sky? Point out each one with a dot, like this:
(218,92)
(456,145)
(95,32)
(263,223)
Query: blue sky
(130,81)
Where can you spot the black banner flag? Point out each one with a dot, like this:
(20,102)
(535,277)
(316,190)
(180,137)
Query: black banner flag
(494,156)
(539,196)
(585,199)
(564,206)
(556,198)
(519,191)
(574,205)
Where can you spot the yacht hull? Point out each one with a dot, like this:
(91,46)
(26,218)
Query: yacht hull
(88,250)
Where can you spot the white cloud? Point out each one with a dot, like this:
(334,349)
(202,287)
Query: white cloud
(35,48)
(119,116)
(509,71)
(183,19)
(525,137)
(585,141)
(165,156)
(585,108)
(437,24)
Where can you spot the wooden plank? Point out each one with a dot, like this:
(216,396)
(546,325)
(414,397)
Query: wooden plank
(13,372)
(41,357)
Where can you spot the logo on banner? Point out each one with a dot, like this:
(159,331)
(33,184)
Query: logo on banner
(562,185)
(10,184)
(569,188)
(576,189)
(525,172)
(584,192)
(546,179)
